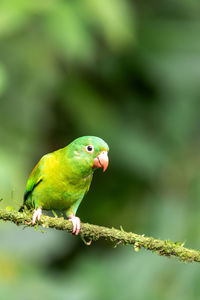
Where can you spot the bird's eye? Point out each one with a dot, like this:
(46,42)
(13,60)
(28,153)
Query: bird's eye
(90,149)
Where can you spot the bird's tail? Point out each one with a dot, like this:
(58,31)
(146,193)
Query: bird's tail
(22,208)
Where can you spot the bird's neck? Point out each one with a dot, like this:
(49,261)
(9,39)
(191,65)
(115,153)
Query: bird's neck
(76,166)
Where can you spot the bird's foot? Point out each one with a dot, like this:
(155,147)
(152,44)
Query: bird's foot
(76,224)
(36,215)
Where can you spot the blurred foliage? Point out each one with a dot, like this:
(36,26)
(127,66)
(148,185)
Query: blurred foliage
(127,71)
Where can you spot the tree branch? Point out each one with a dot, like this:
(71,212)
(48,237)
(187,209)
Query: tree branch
(117,237)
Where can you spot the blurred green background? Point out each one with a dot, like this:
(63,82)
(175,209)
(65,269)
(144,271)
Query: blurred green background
(128,72)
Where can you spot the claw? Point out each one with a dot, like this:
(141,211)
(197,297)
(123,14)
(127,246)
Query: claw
(36,215)
(76,224)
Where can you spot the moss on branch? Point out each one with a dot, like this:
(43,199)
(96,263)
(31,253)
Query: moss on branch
(117,237)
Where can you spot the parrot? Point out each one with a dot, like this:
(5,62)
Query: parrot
(61,179)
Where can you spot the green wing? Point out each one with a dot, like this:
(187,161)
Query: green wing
(34,179)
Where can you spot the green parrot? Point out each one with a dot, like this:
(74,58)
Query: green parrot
(61,179)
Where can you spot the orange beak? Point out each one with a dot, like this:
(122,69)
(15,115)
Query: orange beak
(101,161)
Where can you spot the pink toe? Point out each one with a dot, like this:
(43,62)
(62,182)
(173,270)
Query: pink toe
(76,224)
(36,215)
(74,228)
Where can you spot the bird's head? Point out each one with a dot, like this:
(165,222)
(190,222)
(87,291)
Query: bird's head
(89,153)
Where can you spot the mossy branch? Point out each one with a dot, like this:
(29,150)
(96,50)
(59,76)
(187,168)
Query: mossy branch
(117,237)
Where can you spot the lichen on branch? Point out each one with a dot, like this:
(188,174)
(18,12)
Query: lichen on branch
(117,237)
